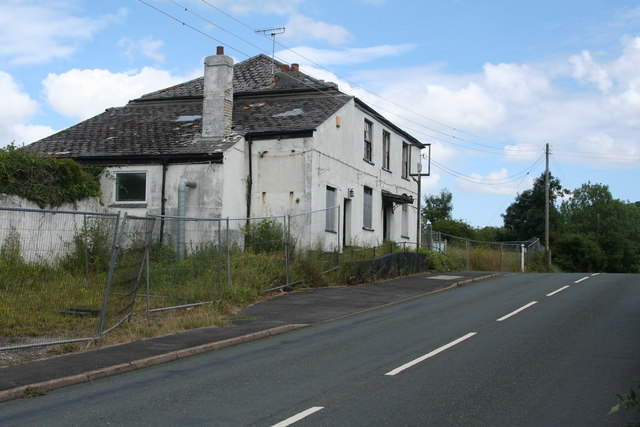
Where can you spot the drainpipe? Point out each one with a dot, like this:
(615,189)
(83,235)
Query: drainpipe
(182,208)
(249,187)
(163,198)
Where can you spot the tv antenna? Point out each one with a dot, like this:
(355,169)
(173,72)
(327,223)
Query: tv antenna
(272,32)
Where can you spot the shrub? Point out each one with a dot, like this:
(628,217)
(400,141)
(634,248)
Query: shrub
(46,180)
(266,236)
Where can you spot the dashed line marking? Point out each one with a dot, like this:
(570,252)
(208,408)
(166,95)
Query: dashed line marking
(298,417)
(594,274)
(580,280)
(428,355)
(557,290)
(514,312)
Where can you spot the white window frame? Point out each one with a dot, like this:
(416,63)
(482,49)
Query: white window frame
(405,160)
(368,140)
(116,192)
(386,150)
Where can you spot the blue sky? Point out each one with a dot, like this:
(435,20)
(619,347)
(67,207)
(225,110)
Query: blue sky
(487,82)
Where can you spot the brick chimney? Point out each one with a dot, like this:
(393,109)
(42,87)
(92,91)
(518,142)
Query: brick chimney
(218,95)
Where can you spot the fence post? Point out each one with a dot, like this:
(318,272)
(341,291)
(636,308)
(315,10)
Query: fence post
(467,251)
(86,247)
(522,257)
(219,251)
(287,249)
(501,256)
(228,258)
(115,246)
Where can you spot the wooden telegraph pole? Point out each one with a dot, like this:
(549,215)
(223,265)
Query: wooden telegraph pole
(546,209)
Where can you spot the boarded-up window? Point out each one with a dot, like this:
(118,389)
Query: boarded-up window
(367,208)
(331,211)
(405,220)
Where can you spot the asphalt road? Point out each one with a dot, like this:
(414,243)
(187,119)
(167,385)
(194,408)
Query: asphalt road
(516,350)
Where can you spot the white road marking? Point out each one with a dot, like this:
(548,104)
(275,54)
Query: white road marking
(428,355)
(443,277)
(580,280)
(557,290)
(594,274)
(513,313)
(298,417)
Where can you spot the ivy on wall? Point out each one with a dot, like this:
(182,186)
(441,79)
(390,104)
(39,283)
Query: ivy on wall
(47,181)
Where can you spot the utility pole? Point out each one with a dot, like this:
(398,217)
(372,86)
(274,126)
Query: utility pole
(546,208)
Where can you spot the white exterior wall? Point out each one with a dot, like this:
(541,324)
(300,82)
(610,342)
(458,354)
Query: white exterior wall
(290,176)
(340,164)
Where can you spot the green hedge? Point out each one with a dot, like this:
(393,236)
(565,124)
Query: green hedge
(47,181)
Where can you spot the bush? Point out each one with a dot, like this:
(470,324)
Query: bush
(46,180)
(266,236)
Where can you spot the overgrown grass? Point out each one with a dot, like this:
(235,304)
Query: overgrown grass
(36,298)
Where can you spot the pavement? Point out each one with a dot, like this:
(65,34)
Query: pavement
(286,312)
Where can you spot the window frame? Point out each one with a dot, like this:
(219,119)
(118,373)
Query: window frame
(386,150)
(117,185)
(368,141)
(405,160)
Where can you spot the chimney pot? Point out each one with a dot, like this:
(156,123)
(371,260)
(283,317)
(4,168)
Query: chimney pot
(284,68)
(219,50)
(295,67)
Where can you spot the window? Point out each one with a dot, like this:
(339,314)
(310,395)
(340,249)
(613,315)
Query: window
(405,221)
(131,187)
(386,148)
(367,209)
(405,160)
(368,140)
(330,224)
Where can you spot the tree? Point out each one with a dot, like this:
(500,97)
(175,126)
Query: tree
(437,208)
(453,227)
(609,225)
(524,218)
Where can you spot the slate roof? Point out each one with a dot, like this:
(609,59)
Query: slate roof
(167,123)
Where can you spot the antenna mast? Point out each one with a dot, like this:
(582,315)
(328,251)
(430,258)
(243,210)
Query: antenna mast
(272,32)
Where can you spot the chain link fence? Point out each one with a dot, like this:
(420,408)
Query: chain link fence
(70,276)
(468,254)
(53,270)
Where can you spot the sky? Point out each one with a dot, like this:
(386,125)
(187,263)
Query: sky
(486,82)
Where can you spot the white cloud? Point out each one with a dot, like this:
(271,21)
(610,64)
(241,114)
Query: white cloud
(586,70)
(516,83)
(327,57)
(34,32)
(276,7)
(302,27)
(16,110)
(604,151)
(147,47)
(81,94)
(496,182)
(522,153)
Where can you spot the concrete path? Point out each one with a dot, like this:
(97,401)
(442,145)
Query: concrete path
(284,313)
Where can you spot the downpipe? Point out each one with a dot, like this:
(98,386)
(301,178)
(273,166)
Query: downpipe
(182,210)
